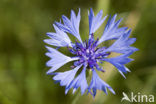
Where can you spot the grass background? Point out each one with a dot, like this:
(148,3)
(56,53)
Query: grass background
(23,25)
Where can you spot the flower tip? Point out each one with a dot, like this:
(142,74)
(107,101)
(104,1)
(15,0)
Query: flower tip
(131,59)
(49,34)
(63,17)
(47,48)
(115,15)
(91,9)
(56,22)
(66,91)
(54,26)
(133,50)
(105,16)
(74,90)
(48,73)
(136,49)
(79,12)
(120,19)
(128,31)
(124,76)
(91,12)
(45,40)
(112,90)
(129,71)
(101,11)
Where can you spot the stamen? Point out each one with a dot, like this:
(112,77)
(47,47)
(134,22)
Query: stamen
(89,53)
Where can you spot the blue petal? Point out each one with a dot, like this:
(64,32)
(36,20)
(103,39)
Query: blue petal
(95,21)
(97,83)
(71,25)
(59,38)
(79,81)
(123,73)
(119,62)
(57,59)
(122,45)
(111,30)
(55,42)
(66,77)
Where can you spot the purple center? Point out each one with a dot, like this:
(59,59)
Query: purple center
(89,53)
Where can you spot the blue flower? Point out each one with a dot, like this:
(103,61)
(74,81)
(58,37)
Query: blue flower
(88,54)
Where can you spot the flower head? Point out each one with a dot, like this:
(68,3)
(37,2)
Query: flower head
(88,54)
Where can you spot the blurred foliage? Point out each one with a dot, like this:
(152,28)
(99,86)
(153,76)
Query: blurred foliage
(23,25)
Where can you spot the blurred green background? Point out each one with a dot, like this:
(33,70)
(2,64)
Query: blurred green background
(23,25)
